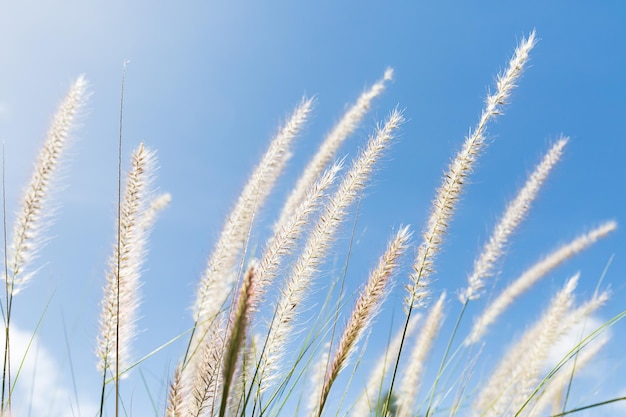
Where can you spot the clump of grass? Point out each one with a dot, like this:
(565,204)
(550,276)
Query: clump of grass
(253,340)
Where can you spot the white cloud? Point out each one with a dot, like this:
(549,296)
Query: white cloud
(40,387)
(596,381)
(569,340)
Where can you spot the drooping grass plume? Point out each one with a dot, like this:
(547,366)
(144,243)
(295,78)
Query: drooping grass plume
(300,279)
(413,373)
(513,216)
(534,274)
(121,293)
(366,308)
(327,151)
(221,272)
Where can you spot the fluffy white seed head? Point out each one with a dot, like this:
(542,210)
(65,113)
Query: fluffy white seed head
(515,212)
(454,179)
(34,212)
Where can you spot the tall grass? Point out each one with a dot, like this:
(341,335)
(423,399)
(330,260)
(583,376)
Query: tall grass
(257,346)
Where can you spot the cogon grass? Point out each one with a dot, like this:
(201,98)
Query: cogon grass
(255,339)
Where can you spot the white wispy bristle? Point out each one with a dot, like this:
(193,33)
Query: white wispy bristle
(118,319)
(30,222)
(513,216)
(220,274)
(448,194)
(318,244)
(346,126)
(534,274)
(515,376)
(366,308)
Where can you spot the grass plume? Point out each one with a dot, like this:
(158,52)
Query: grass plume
(513,216)
(532,275)
(365,309)
(322,235)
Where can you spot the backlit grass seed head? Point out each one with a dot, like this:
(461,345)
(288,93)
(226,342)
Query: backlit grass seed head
(123,276)
(287,234)
(30,222)
(367,306)
(534,274)
(454,179)
(515,212)
(175,399)
(517,371)
(552,326)
(346,126)
(203,382)
(220,275)
(558,384)
(322,236)
(371,297)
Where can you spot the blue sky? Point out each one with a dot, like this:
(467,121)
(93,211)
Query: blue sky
(208,85)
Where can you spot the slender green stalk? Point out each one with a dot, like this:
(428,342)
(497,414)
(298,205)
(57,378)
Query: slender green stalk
(6,369)
(119,245)
(587,407)
(444,359)
(611,322)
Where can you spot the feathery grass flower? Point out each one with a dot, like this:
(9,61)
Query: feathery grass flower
(327,151)
(30,222)
(513,216)
(319,241)
(513,380)
(367,306)
(534,274)
(121,293)
(448,194)
(222,269)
